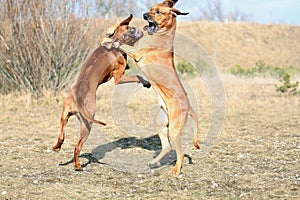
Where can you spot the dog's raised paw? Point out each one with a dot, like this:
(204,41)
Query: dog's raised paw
(145,82)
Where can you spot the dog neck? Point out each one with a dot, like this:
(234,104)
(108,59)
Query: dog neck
(163,39)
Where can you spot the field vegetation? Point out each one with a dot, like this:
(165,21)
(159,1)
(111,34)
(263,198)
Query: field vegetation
(257,155)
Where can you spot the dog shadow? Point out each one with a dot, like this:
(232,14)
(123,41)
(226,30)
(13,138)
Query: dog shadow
(90,157)
(150,144)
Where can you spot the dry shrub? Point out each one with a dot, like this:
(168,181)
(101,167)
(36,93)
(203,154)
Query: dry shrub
(42,44)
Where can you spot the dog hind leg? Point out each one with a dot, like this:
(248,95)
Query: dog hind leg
(197,133)
(161,122)
(66,113)
(85,128)
(179,154)
(176,127)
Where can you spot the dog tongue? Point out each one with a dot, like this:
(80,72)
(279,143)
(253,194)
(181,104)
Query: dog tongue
(150,29)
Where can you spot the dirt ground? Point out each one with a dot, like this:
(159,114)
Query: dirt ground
(257,155)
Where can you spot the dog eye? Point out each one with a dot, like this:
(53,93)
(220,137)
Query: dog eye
(158,12)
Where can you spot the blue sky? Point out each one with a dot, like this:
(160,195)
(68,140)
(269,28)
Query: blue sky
(262,11)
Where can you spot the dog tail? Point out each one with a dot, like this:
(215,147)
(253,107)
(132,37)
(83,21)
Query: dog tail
(91,119)
(95,121)
(197,133)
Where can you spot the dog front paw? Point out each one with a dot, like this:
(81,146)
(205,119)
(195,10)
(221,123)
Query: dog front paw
(147,85)
(143,81)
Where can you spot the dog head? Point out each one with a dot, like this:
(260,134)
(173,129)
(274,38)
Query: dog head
(121,34)
(162,16)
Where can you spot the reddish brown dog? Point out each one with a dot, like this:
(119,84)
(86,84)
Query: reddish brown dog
(154,55)
(99,68)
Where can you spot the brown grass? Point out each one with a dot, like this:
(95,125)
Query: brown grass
(246,43)
(256,157)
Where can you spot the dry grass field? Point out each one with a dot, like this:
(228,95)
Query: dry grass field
(246,43)
(257,155)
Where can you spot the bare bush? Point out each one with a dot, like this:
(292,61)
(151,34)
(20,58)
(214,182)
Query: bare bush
(107,8)
(41,45)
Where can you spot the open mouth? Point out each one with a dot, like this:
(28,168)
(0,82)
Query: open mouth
(152,27)
(138,34)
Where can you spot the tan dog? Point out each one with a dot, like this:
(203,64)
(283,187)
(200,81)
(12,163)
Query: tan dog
(155,56)
(99,68)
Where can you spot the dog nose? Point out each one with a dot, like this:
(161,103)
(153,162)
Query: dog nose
(132,30)
(146,16)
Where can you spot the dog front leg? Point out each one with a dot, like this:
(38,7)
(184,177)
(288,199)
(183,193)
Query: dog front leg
(133,79)
(126,79)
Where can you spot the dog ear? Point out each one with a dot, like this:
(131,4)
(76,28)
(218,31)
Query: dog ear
(126,21)
(177,12)
(109,43)
(170,3)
